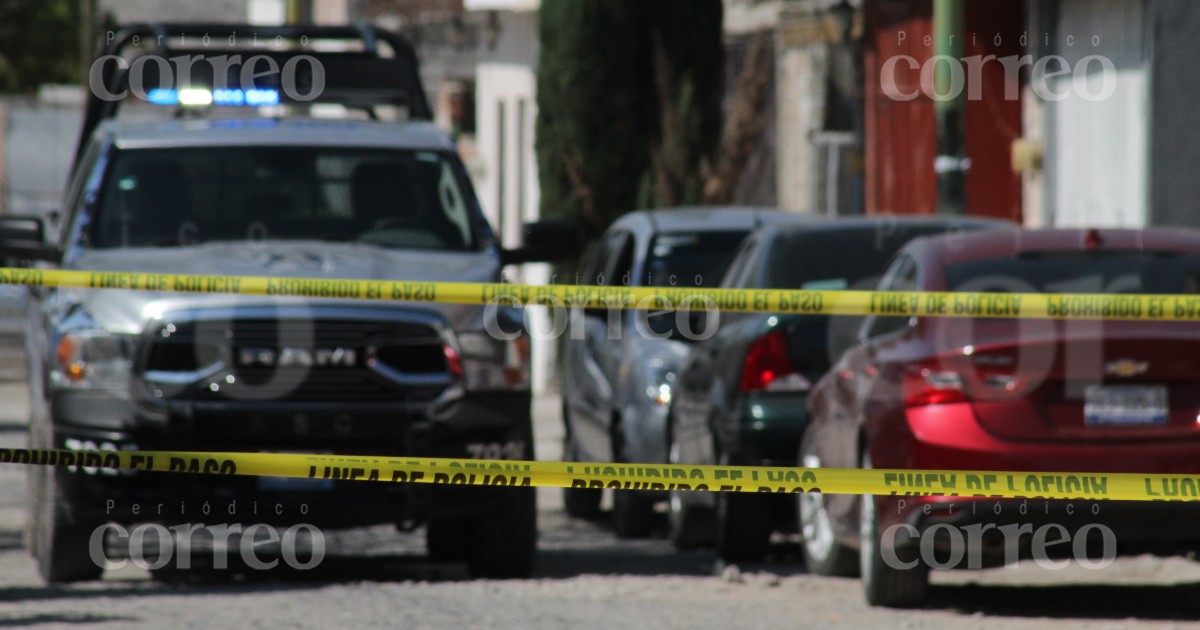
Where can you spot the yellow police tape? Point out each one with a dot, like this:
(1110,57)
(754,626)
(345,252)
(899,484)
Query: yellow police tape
(822,302)
(495,473)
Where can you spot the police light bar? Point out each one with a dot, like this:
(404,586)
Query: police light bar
(200,97)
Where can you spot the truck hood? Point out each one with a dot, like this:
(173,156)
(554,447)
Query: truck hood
(128,311)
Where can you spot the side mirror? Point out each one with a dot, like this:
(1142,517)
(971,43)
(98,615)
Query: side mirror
(24,238)
(551,240)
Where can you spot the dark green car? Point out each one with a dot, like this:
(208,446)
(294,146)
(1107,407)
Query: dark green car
(742,393)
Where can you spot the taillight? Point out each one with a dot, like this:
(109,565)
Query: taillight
(769,368)
(928,383)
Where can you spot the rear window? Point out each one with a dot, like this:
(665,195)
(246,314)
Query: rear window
(838,259)
(1082,272)
(691,259)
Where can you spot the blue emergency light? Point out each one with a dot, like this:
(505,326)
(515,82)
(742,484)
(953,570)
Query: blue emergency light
(200,97)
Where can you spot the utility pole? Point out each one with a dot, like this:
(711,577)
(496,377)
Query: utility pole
(951,165)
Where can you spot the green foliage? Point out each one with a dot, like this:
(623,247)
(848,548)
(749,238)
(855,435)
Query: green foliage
(39,43)
(688,79)
(604,138)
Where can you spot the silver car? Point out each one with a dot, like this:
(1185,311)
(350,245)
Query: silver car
(620,365)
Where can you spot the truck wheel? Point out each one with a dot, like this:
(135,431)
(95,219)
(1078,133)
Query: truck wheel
(58,542)
(448,539)
(504,541)
(744,527)
(883,584)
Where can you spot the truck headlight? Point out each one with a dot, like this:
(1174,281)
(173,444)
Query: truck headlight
(491,364)
(93,359)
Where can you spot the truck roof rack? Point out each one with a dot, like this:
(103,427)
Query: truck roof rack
(362,77)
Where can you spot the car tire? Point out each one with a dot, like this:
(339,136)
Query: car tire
(58,541)
(689,526)
(633,514)
(883,584)
(503,544)
(582,503)
(744,526)
(578,502)
(823,554)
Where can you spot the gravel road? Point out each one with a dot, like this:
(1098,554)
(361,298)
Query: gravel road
(377,578)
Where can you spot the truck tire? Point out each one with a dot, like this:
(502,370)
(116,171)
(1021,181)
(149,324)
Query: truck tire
(447,539)
(503,544)
(59,543)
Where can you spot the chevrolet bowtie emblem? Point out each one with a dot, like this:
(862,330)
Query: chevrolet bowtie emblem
(1126,368)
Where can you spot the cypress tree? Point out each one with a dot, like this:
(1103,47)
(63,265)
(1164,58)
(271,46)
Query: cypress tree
(629,104)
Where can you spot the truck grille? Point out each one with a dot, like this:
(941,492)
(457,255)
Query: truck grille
(296,360)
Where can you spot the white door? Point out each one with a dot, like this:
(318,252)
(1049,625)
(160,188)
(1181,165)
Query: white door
(1098,130)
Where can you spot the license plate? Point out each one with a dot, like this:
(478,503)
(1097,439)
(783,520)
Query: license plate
(1125,405)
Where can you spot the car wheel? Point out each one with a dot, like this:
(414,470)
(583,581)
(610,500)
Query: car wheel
(59,543)
(504,540)
(823,554)
(578,502)
(582,502)
(690,526)
(883,584)
(744,526)
(633,514)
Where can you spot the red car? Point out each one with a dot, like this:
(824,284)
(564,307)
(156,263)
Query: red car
(1009,394)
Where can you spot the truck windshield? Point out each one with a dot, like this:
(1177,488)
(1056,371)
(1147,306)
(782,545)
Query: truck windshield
(392,198)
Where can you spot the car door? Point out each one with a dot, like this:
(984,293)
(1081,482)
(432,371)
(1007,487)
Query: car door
(594,354)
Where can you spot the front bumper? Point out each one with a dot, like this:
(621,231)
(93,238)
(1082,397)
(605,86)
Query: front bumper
(476,426)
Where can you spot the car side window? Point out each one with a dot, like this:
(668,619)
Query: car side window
(736,276)
(902,276)
(84,178)
(621,270)
(601,258)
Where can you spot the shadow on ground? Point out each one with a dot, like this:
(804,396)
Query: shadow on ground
(1178,602)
